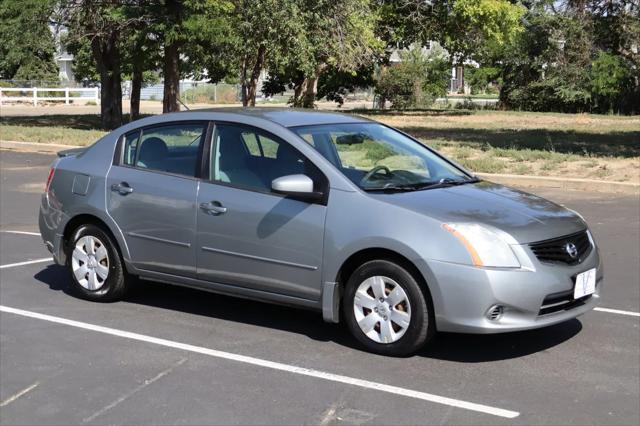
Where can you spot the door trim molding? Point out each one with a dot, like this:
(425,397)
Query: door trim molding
(260,258)
(230,290)
(159,240)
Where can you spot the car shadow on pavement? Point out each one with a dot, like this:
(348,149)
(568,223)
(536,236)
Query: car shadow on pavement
(465,348)
(473,348)
(211,305)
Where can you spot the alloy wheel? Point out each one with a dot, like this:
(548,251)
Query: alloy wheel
(382,309)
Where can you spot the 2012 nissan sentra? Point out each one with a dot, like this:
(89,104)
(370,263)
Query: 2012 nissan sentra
(330,212)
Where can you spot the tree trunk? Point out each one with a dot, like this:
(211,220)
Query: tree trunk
(107,57)
(171,78)
(243,83)
(311,89)
(255,75)
(310,92)
(298,89)
(136,86)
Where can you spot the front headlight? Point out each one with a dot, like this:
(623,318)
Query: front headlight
(485,246)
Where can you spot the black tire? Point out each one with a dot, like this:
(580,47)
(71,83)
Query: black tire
(421,325)
(115,285)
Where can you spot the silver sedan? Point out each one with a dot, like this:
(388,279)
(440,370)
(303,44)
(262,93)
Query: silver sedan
(323,211)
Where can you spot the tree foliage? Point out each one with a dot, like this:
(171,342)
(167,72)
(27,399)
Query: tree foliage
(336,37)
(264,32)
(566,61)
(27,46)
(468,29)
(567,55)
(100,28)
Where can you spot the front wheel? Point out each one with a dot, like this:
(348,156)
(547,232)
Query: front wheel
(386,310)
(94,263)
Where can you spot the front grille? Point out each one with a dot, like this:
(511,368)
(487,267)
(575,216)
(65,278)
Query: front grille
(562,301)
(555,250)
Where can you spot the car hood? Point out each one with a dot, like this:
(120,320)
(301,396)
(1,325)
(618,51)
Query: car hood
(524,216)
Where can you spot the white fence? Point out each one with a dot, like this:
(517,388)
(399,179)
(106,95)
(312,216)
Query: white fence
(35,94)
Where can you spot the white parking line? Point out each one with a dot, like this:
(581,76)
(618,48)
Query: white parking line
(35,234)
(618,311)
(18,395)
(28,262)
(272,365)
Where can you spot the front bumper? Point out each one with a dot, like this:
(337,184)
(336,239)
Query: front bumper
(465,294)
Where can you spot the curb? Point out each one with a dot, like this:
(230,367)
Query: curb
(590,185)
(49,148)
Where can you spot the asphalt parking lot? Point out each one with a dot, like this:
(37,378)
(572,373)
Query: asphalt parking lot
(169,355)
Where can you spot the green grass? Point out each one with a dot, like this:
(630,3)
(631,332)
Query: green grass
(57,135)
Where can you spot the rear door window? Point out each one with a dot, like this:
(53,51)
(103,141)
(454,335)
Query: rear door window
(130,148)
(172,148)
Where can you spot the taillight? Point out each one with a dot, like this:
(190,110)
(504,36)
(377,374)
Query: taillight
(49,179)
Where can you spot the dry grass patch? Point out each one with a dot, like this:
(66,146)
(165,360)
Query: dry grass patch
(544,144)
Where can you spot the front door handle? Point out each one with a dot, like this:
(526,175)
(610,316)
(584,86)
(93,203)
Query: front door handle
(122,188)
(214,208)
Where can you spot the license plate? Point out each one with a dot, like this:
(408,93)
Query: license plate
(585,284)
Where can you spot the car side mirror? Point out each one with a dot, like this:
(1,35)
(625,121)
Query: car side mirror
(297,186)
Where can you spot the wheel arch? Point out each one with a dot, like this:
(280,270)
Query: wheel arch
(362,256)
(87,218)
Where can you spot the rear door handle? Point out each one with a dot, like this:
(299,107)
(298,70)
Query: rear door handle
(213,207)
(122,188)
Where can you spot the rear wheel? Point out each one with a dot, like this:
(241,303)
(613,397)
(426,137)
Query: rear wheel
(95,266)
(386,310)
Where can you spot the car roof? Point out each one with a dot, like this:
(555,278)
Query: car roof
(287,117)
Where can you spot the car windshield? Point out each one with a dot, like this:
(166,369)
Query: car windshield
(378,158)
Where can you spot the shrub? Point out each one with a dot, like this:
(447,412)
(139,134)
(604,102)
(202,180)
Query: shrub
(482,79)
(416,81)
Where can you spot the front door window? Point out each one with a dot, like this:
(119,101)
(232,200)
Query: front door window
(252,159)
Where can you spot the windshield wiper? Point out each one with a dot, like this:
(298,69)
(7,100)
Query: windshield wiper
(446,182)
(391,188)
(442,183)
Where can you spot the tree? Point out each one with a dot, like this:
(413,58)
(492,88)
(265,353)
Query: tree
(27,46)
(283,78)
(83,64)
(334,85)
(337,37)
(567,61)
(611,81)
(101,27)
(480,79)
(266,32)
(183,28)
(476,28)
(545,68)
(141,59)
(468,29)
(340,35)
